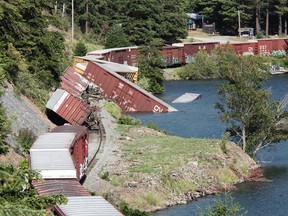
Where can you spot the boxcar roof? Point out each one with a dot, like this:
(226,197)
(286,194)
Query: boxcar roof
(56,99)
(89,205)
(65,186)
(98,52)
(54,141)
(77,129)
(51,160)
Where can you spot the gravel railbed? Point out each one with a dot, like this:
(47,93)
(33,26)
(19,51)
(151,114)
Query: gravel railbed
(108,156)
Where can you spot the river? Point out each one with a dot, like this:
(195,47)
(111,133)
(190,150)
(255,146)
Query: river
(200,119)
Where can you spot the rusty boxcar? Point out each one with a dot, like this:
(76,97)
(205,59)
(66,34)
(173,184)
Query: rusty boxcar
(80,201)
(122,55)
(268,46)
(70,108)
(191,49)
(66,187)
(73,82)
(244,48)
(172,55)
(126,94)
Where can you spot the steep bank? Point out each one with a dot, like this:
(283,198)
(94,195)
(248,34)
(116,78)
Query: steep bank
(150,170)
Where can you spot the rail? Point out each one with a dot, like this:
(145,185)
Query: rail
(102,139)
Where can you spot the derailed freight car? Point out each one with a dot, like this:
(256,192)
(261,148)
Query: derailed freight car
(126,94)
(69,108)
(122,55)
(73,82)
(62,153)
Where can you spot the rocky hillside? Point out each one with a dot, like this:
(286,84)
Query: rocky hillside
(22,114)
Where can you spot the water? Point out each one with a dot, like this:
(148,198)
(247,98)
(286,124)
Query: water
(200,119)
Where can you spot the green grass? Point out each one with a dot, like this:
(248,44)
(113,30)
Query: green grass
(147,199)
(113,109)
(165,153)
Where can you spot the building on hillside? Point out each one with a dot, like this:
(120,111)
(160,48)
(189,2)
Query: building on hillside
(194,21)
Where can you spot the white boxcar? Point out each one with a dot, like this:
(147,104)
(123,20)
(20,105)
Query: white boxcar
(50,155)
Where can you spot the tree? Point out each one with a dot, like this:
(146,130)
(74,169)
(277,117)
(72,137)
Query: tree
(116,37)
(144,21)
(16,193)
(245,106)
(282,10)
(80,49)
(197,70)
(149,63)
(91,15)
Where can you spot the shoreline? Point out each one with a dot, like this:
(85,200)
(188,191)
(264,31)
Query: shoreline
(152,191)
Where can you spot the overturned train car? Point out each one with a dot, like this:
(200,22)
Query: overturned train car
(130,97)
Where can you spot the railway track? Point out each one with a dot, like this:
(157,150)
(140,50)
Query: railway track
(101,137)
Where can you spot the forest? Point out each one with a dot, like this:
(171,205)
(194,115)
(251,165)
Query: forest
(38,37)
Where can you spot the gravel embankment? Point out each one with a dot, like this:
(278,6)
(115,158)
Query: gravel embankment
(108,156)
(23,114)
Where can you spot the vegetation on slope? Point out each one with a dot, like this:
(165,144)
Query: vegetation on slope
(158,170)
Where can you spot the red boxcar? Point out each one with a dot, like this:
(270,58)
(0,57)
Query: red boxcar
(126,94)
(244,48)
(191,49)
(122,55)
(69,107)
(73,82)
(79,146)
(268,46)
(172,55)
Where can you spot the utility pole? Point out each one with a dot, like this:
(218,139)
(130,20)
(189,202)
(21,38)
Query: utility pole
(72,34)
(239,23)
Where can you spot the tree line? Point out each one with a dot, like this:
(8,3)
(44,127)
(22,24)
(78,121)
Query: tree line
(142,21)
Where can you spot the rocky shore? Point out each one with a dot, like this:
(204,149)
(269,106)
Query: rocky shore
(123,173)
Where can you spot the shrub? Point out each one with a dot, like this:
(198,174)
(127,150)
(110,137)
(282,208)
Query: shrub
(128,120)
(223,207)
(126,210)
(25,139)
(224,142)
(105,176)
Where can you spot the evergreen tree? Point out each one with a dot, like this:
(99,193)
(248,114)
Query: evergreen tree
(149,63)
(116,37)
(80,49)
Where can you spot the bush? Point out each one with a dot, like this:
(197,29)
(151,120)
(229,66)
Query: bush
(128,120)
(126,210)
(5,128)
(105,176)
(224,142)
(25,139)
(223,207)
